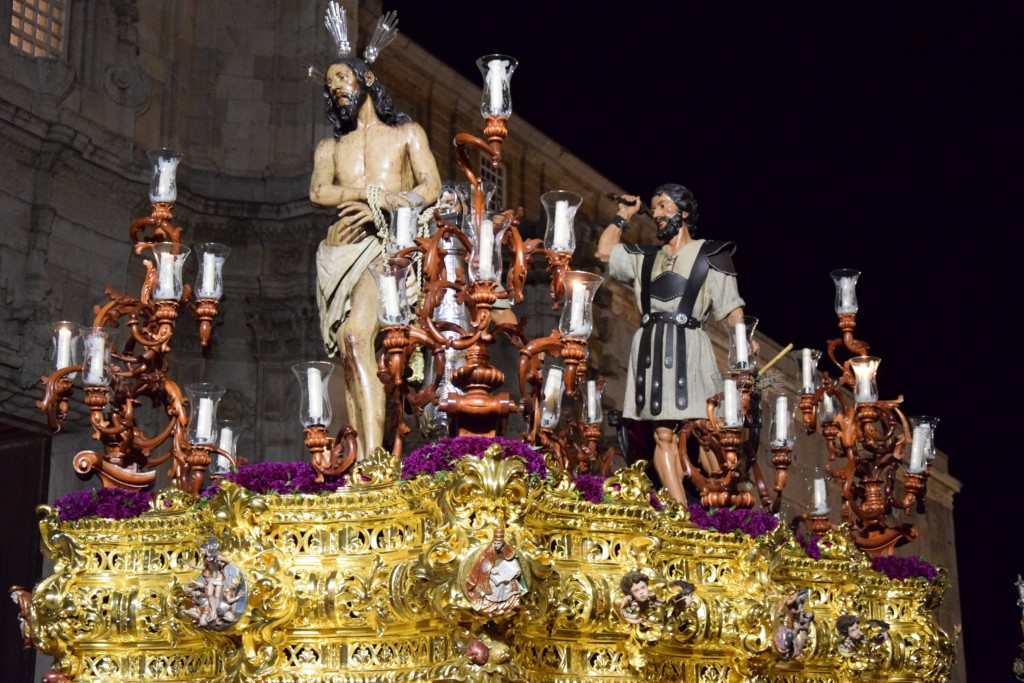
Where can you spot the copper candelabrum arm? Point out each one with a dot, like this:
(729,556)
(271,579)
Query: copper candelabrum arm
(163,229)
(57,389)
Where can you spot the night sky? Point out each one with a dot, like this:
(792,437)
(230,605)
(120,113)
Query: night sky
(879,136)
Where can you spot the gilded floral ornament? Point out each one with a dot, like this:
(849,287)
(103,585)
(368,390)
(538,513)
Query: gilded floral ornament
(559,482)
(488,491)
(754,631)
(377,468)
(629,486)
(468,573)
(172,500)
(242,514)
(842,547)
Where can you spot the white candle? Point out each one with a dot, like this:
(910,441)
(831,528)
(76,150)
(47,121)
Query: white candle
(209,275)
(918,448)
(927,443)
(496,83)
(165,285)
(807,369)
(551,390)
(781,420)
(227,440)
(577,326)
(204,421)
(63,348)
(864,369)
(165,190)
(741,345)
(404,230)
(864,391)
(485,249)
(315,393)
(389,289)
(593,404)
(560,238)
(846,289)
(819,500)
(826,409)
(731,408)
(96,357)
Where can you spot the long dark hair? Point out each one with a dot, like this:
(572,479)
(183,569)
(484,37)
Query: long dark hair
(382,102)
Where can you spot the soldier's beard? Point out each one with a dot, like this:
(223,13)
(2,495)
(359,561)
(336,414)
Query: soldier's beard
(672,226)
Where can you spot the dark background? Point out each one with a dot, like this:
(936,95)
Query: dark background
(882,137)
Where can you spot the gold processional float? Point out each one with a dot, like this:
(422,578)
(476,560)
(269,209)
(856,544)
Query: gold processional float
(518,561)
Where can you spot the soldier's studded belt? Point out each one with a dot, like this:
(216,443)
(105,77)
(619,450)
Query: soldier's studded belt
(677,319)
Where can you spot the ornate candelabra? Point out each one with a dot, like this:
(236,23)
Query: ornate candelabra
(729,474)
(475,406)
(116,380)
(867,438)
(329,456)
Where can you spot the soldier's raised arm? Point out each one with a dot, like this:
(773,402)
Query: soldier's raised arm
(613,233)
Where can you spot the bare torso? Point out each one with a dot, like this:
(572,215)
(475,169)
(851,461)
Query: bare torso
(395,157)
(375,155)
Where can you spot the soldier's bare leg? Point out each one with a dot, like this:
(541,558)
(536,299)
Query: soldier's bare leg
(666,460)
(708,462)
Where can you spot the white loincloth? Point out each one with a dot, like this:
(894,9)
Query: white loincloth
(338,269)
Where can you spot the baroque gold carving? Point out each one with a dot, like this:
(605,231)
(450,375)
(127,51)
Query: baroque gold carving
(379,467)
(381,581)
(106,613)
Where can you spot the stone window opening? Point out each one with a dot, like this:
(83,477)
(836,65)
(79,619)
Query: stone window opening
(37,27)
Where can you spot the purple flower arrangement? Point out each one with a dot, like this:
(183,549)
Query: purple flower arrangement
(590,486)
(752,523)
(902,568)
(443,455)
(208,494)
(811,545)
(283,477)
(105,503)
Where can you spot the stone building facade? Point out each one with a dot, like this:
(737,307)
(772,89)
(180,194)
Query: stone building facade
(225,82)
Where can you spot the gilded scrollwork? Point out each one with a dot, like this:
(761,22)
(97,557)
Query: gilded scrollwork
(559,481)
(488,491)
(629,485)
(483,576)
(106,614)
(377,468)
